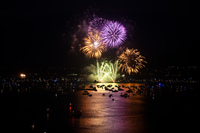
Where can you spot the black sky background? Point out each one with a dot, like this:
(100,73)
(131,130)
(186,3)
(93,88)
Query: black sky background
(166,32)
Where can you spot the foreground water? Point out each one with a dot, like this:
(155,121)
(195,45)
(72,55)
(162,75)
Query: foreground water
(50,111)
(110,114)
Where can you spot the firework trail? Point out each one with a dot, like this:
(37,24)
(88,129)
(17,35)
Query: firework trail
(94,47)
(107,71)
(131,61)
(113,34)
(103,72)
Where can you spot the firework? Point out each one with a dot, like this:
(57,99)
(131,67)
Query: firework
(107,71)
(92,35)
(131,61)
(113,34)
(93,45)
(103,72)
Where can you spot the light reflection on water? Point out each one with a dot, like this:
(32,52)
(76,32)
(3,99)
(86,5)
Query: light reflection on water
(170,110)
(103,114)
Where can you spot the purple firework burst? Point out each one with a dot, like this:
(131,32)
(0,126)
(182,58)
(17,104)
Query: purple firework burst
(113,34)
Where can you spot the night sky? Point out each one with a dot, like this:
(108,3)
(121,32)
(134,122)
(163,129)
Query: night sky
(32,32)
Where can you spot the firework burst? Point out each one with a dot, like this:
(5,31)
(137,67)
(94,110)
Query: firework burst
(113,34)
(131,61)
(94,47)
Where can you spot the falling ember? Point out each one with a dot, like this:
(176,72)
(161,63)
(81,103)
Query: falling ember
(131,61)
(94,47)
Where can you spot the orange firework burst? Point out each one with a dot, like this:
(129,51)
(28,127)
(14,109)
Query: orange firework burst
(94,47)
(131,61)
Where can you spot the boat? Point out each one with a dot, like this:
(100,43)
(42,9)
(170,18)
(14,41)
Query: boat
(110,95)
(124,95)
(85,93)
(114,90)
(95,89)
(139,91)
(89,95)
(134,86)
(102,85)
(129,91)
(142,86)
(91,86)
(120,89)
(106,88)
(109,85)
(110,89)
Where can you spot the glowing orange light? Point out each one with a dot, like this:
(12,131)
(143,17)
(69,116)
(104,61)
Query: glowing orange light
(22,75)
(131,61)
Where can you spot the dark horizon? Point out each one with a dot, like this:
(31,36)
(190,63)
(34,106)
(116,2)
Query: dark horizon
(33,33)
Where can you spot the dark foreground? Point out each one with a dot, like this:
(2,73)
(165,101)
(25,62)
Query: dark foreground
(161,109)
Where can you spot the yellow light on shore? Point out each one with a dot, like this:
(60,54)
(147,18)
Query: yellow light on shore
(22,75)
